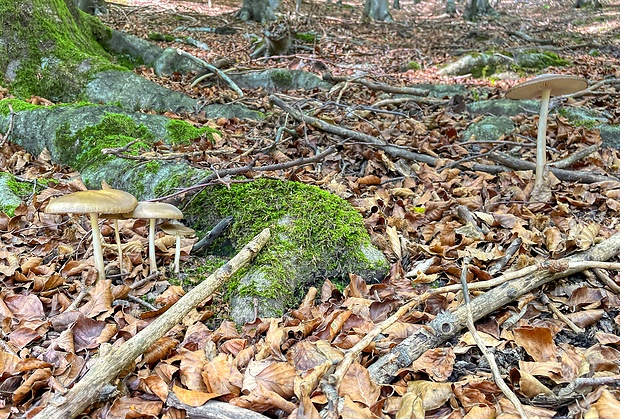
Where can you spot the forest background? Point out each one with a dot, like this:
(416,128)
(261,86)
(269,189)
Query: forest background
(442,177)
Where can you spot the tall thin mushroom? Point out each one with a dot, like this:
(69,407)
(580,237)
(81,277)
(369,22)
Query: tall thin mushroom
(152,211)
(177,230)
(94,202)
(543,87)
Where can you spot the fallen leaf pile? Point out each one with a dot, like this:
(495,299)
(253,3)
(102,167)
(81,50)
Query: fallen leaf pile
(557,347)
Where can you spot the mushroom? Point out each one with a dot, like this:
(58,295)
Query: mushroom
(117,236)
(545,86)
(178,230)
(152,211)
(94,202)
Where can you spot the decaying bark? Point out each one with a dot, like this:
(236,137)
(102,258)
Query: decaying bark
(88,389)
(446,325)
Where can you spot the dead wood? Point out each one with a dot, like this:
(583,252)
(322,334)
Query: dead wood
(529,38)
(213,410)
(88,390)
(562,174)
(446,325)
(382,87)
(392,150)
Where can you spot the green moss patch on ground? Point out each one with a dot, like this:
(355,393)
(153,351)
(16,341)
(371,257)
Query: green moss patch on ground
(317,233)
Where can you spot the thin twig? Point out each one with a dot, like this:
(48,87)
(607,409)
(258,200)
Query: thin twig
(497,376)
(214,69)
(4,138)
(545,300)
(207,181)
(575,157)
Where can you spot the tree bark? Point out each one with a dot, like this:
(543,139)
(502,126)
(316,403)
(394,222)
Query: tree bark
(258,10)
(477,8)
(377,10)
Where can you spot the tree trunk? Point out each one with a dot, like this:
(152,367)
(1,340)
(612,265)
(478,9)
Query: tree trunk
(477,8)
(451,8)
(258,10)
(377,10)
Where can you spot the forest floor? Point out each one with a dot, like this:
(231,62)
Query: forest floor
(543,341)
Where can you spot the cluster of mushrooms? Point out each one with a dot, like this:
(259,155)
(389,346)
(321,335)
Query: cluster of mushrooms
(543,87)
(115,204)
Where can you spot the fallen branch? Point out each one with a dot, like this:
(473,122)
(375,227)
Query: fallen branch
(562,174)
(497,376)
(574,158)
(392,150)
(446,325)
(88,390)
(331,384)
(217,175)
(382,87)
(213,410)
(215,70)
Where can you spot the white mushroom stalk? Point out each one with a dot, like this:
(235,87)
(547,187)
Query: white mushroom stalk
(178,230)
(152,211)
(177,255)
(541,139)
(97,252)
(152,259)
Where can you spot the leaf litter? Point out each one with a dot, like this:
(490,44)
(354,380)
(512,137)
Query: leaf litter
(548,343)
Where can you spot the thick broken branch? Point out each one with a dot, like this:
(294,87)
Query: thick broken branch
(445,326)
(88,390)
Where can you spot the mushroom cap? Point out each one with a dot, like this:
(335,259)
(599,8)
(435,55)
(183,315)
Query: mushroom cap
(176,229)
(109,201)
(559,84)
(155,210)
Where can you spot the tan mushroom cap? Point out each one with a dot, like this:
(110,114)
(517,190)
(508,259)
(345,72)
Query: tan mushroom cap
(559,84)
(108,201)
(155,210)
(176,229)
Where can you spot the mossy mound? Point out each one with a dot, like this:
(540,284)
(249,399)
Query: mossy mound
(315,235)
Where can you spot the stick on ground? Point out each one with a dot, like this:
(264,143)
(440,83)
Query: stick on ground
(87,390)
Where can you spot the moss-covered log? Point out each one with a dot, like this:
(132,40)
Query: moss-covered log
(316,235)
(52,49)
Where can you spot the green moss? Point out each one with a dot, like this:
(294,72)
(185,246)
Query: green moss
(83,148)
(413,65)
(17,105)
(303,219)
(181,132)
(282,78)
(57,49)
(11,192)
(152,166)
(307,37)
(161,37)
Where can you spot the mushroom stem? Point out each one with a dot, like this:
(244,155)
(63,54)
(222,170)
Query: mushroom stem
(177,255)
(541,139)
(97,253)
(152,260)
(119,248)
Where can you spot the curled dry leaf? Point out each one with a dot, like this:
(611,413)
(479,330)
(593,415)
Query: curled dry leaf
(394,239)
(193,398)
(587,236)
(422,396)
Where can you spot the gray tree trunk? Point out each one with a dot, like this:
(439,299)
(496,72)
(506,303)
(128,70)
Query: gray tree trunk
(477,8)
(258,10)
(377,10)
